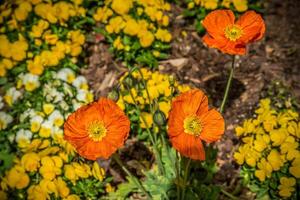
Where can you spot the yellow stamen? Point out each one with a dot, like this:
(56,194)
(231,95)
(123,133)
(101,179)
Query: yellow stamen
(192,125)
(96,130)
(233,32)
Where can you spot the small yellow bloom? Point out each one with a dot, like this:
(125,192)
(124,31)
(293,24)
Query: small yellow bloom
(30,162)
(48,108)
(98,172)
(286,186)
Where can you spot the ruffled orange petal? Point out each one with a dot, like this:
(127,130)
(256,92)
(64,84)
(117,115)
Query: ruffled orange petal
(216,22)
(189,146)
(253,27)
(213,126)
(115,121)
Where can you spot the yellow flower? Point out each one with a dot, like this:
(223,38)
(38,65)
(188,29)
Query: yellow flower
(72,197)
(98,172)
(118,43)
(30,162)
(17,178)
(259,143)
(121,7)
(82,170)
(294,129)
(36,192)
(48,186)
(275,160)
(286,186)
(295,168)
(102,14)
(163,35)
(146,38)
(109,188)
(264,170)
(62,187)
(210,4)
(148,118)
(48,108)
(131,27)
(226,3)
(164,107)
(278,136)
(35,66)
(115,25)
(49,168)
(70,173)
(240,5)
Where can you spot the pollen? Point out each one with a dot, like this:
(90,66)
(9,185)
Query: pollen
(192,125)
(233,32)
(96,130)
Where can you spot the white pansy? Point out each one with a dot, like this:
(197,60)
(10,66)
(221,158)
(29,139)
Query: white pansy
(23,135)
(66,75)
(5,119)
(12,95)
(56,118)
(68,90)
(28,113)
(80,83)
(30,81)
(84,96)
(35,123)
(46,129)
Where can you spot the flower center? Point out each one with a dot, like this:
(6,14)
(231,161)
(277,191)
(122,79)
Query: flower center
(96,130)
(233,32)
(192,125)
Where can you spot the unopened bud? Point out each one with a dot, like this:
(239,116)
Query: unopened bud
(159,118)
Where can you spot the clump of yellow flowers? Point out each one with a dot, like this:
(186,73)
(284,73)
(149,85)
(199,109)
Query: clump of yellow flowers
(137,29)
(159,91)
(238,5)
(270,151)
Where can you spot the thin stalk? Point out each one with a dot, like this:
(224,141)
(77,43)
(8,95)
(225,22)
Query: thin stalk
(186,173)
(146,88)
(136,181)
(177,176)
(229,195)
(156,152)
(228,85)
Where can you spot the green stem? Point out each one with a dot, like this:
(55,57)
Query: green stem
(177,176)
(228,85)
(156,152)
(186,173)
(146,88)
(229,195)
(136,181)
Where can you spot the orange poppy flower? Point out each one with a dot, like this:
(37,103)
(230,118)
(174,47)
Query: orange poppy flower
(229,36)
(191,122)
(97,130)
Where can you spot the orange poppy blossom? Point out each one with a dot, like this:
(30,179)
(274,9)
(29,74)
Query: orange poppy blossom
(229,36)
(191,122)
(97,130)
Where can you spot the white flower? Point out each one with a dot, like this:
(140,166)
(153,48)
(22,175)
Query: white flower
(84,96)
(66,75)
(28,113)
(5,119)
(30,81)
(80,83)
(68,90)
(12,95)
(35,123)
(76,104)
(46,129)
(56,118)
(24,135)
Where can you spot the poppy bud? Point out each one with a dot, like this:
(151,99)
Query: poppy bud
(172,80)
(128,81)
(113,95)
(159,117)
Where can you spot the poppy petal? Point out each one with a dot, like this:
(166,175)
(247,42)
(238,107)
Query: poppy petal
(189,146)
(216,22)
(253,27)
(213,126)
